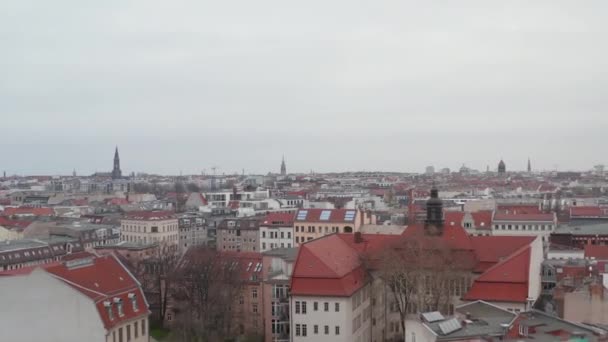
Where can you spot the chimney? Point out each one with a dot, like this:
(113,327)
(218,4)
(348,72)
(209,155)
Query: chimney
(358,237)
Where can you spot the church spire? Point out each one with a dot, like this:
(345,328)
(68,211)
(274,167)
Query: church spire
(116,172)
(283,167)
(529,165)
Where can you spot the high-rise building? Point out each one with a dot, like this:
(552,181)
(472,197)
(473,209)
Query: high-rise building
(116,172)
(529,166)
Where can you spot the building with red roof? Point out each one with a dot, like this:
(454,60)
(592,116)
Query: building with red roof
(475,223)
(589,213)
(314,223)
(83,299)
(524,223)
(27,212)
(342,272)
(148,227)
(276,231)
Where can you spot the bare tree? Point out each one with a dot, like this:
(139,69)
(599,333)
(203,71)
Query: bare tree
(419,273)
(157,275)
(209,285)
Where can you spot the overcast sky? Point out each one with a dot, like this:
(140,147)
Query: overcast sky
(334,85)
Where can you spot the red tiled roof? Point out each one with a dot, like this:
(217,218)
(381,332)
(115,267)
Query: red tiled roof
(28,211)
(589,212)
(506,281)
(22,224)
(498,292)
(455,236)
(104,279)
(331,266)
(518,209)
(596,251)
(335,215)
(524,217)
(279,219)
(150,215)
(118,201)
(483,219)
(492,249)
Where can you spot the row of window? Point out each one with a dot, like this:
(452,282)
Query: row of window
(300,307)
(302,330)
(153,229)
(313,229)
(302,239)
(530,227)
(124,334)
(275,245)
(275,235)
(145,239)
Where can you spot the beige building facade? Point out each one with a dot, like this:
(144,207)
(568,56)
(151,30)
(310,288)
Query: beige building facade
(147,227)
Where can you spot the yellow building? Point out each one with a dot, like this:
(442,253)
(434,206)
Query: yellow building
(314,223)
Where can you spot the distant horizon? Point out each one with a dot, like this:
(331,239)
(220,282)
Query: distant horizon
(390,86)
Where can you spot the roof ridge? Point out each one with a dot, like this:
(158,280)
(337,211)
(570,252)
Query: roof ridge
(76,284)
(507,259)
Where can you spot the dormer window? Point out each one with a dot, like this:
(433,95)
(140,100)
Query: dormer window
(119,307)
(108,306)
(133,298)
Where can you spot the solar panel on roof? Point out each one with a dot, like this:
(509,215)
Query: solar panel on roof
(302,215)
(431,317)
(325,215)
(449,326)
(349,216)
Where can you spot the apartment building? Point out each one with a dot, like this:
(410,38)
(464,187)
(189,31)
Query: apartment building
(84,299)
(278,266)
(150,227)
(276,231)
(314,223)
(239,235)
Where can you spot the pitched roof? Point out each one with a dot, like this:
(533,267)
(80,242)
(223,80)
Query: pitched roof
(589,212)
(326,215)
(27,211)
(542,217)
(331,266)
(157,215)
(105,281)
(454,236)
(492,249)
(278,219)
(506,281)
(481,219)
(599,252)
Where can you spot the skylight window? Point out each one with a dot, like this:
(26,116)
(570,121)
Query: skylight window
(302,215)
(325,215)
(349,215)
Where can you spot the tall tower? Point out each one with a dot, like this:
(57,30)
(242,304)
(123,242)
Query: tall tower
(116,172)
(502,168)
(529,166)
(434,213)
(283,167)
